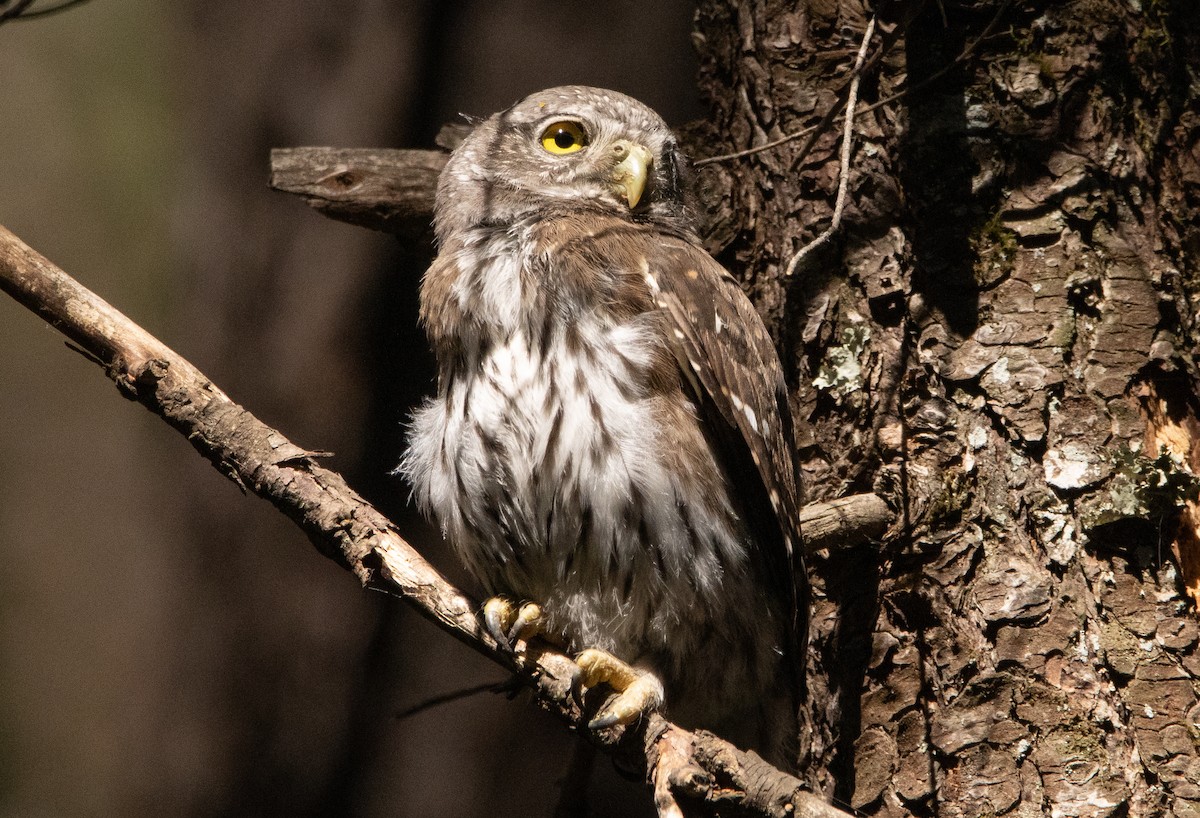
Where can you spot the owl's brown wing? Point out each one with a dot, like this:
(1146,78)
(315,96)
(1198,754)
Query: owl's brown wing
(728,360)
(730,369)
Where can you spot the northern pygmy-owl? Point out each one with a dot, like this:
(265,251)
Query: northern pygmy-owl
(611,436)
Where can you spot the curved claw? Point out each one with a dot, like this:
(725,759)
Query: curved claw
(497,614)
(638,691)
(508,624)
(526,624)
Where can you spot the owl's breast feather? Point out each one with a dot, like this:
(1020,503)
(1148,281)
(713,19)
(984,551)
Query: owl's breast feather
(553,469)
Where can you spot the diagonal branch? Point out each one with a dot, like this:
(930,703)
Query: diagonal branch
(693,768)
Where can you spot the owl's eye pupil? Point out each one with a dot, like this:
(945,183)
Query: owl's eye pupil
(563,139)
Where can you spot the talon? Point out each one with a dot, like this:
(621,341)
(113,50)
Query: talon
(497,617)
(638,691)
(509,624)
(526,624)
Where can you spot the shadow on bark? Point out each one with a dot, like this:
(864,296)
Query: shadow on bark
(936,168)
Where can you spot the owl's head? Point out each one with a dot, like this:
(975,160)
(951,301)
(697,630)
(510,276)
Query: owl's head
(569,148)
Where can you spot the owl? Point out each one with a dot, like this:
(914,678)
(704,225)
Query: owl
(609,449)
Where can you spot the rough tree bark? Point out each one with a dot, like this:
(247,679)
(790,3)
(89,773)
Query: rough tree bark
(1003,343)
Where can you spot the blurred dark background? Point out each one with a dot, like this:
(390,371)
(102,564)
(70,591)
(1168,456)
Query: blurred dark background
(169,646)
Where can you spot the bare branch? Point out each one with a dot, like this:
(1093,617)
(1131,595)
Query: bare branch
(388,190)
(696,767)
(841,523)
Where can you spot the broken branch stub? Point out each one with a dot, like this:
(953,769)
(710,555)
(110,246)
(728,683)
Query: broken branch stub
(379,188)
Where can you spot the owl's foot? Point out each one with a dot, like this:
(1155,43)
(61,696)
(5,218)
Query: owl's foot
(638,691)
(509,623)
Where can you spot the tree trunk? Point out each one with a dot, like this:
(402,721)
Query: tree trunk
(1001,343)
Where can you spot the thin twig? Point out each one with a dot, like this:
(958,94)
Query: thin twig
(843,93)
(766,146)
(962,57)
(837,107)
(844,171)
(818,128)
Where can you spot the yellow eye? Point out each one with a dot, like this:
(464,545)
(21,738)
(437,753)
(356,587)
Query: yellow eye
(564,137)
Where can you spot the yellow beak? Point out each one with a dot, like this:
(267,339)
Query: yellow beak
(629,174)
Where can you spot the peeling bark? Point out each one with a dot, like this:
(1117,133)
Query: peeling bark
(1003,345)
